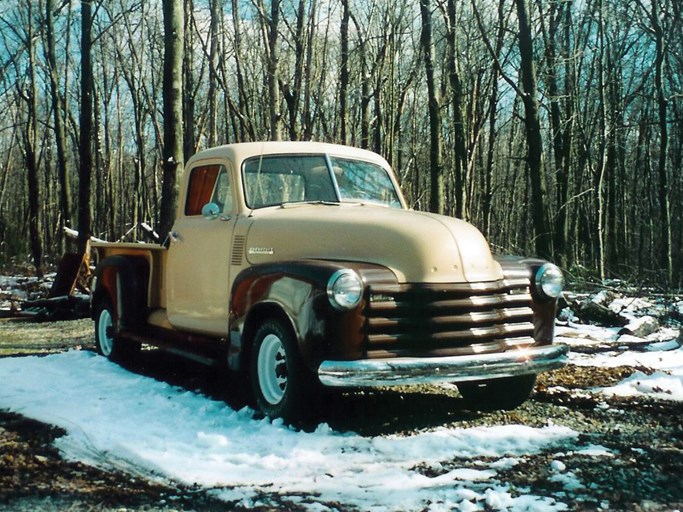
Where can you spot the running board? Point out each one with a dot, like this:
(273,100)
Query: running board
(201,349)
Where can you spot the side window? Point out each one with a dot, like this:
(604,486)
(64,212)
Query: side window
(208,184)
(222,193)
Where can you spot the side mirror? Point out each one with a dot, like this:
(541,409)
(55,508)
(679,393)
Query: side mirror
(210,211)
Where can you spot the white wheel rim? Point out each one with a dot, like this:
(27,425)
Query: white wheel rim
(272,369)
(105,325)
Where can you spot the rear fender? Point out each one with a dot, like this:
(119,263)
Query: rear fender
(123,281)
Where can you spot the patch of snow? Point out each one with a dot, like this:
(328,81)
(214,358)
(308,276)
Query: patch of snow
(594,450)
(659,385)
(679,307)
(567,315)
(671,360)
(664,334)
(115,418)
(583,334)
(631,339)
(663,346)
(557,466)
(601,297)
(505,463)
(569,481)
(474,475)
(660,351)
(18,294)
(641,326)
(630,305)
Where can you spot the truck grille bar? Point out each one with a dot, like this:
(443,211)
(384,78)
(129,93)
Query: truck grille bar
(416,320)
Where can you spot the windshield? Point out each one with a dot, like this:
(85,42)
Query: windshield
(276,180)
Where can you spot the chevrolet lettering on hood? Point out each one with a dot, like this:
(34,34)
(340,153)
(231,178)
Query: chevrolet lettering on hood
(266,251)
(297,266)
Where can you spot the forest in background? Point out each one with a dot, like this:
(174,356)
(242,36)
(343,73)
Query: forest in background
(554,126)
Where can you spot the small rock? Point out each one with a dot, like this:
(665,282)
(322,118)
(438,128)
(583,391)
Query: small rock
(603,297)
(641,327)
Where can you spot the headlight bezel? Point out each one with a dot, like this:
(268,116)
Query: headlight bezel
(345,289)
(549,281)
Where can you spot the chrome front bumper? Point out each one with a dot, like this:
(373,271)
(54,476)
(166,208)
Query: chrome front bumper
(403,370)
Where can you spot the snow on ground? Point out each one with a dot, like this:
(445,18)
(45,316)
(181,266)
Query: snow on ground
(660,353)
(19,288)
(116,418)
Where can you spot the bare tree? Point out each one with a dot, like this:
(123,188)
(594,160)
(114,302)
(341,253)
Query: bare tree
(30,143)
(188,94)
(437,184)
(58,116)
(271,24)
(662,102)
(532,123)
(214,57)
(460,154)
(344,72)
(86,131)
(174,35)
(460,110)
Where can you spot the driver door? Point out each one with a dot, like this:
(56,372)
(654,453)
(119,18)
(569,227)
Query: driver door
(198,263)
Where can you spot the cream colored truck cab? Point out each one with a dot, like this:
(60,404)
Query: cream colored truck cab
(298,265)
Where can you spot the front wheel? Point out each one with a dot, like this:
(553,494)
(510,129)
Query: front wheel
(108,344)
(497,394)
(282,386)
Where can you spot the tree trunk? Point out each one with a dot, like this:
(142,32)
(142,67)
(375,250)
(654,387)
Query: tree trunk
(273,82)
(437,186)
(344,73)
(86,133)
(31,141)
(306,118)
(543,240)
(188,92)
(174,36)
(662,107)
(246,125)
(214,54)
(60,136)
(487,199)
(566,136)
(292,93)
(460,156)
(604,162)
(558,123)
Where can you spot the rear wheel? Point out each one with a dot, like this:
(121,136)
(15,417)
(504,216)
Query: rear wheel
(497,394)
(282,386)
(108,343)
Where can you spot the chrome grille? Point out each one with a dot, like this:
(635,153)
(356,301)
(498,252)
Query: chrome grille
(434,320)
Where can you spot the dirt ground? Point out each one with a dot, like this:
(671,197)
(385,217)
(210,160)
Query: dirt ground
(648,435)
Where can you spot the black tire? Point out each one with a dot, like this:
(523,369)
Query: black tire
(497,394)
(281,384)
(108,344)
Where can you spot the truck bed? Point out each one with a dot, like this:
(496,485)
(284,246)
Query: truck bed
(155,254)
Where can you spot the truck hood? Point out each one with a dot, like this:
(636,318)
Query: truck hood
(418,247)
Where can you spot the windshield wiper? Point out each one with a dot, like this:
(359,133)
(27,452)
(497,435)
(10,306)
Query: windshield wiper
(318,201)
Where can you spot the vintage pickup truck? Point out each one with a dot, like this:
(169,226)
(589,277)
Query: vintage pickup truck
(298,266)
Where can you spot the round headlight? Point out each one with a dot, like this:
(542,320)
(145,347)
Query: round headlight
(549,281)
(345,289)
